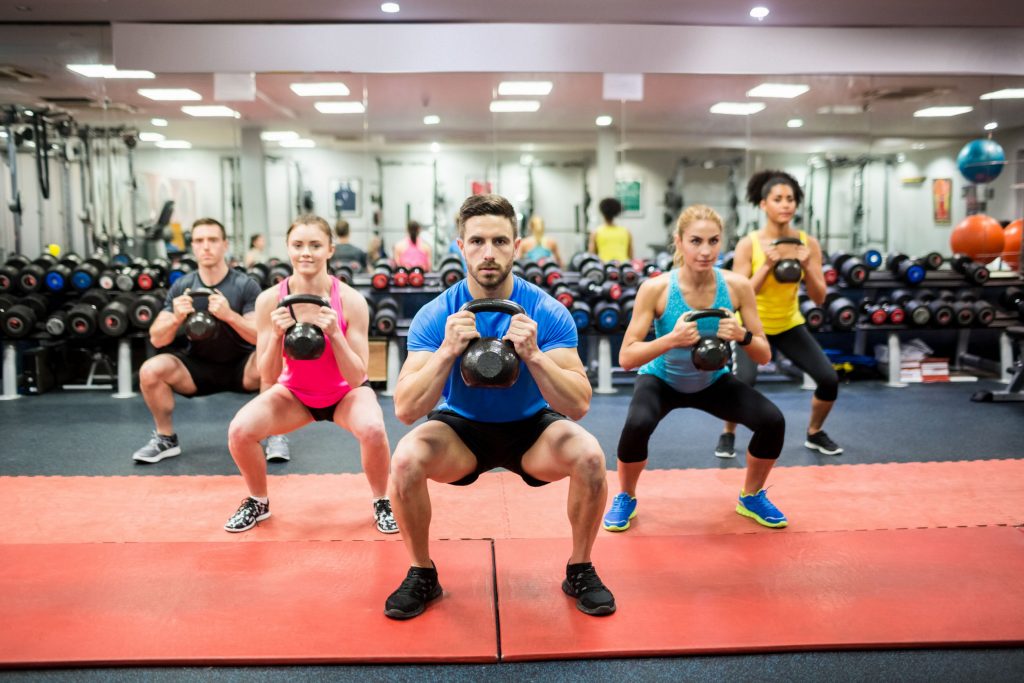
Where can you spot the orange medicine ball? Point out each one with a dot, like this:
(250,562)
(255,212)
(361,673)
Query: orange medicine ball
(1011,243)
(978,236)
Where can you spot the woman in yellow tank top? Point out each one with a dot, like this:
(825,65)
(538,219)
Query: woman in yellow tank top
(611,242)
(778,194)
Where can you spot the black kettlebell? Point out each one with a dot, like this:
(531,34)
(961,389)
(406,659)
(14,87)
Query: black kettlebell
(489,362)
(303,341)
(788,269)
(710,353)
(200,325)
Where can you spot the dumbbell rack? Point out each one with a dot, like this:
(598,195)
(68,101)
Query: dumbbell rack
(123,386)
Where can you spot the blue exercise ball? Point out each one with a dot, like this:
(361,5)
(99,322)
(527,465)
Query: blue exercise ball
(981,161)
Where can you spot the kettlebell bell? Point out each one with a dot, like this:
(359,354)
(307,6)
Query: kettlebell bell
(303,341)
(200,325)
(788,269)
(710,353)
(489,362)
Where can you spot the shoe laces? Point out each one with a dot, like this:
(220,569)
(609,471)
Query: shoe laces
(251,505)
(621,502)
(417,585)
(586,580)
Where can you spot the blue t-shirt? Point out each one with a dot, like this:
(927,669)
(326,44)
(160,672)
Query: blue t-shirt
(555,330)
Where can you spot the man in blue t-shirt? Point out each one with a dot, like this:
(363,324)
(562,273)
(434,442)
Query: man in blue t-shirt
(523,428)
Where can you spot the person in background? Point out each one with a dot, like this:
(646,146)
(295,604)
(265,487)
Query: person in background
(375,247)
(412,251)
(538,248)
(611,242)
(256,254)
(344,250)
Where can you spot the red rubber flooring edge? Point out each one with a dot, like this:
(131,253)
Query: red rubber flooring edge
(237,603)
(768,592)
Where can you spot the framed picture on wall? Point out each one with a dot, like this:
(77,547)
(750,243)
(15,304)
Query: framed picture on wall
(942,195)
(629,191)
(347,197)
(477,186)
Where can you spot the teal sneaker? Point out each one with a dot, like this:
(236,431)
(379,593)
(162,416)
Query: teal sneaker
(761,510)
(623,509)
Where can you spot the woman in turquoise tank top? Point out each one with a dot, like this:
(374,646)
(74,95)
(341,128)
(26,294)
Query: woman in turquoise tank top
(668,379)
(538,248)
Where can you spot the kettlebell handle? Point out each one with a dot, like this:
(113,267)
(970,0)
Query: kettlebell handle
(786,240)
(493,305)
(706,313)
(292,299)
(200,291)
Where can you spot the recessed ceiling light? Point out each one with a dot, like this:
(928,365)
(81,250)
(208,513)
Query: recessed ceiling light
(174,144)
(278,135)
(505,106)
(527,88)
(152,137)
(603,121)
(301,143)
(918,145)
(159,123)
(1006,94)
(991,125)
(795,123)
(389,7)
(784,90)
(435,147)
(759,13)
(901,157)
(211,110)
(108,71)
(171,94)
(431,120)
(737,108)
(334,89)
(934,112)
(340,107)
(842,109)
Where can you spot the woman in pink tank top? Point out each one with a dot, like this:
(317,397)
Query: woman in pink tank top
(412,252)
(331,388)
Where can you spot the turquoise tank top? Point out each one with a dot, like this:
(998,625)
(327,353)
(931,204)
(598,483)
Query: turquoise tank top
(675,366)
(539,252)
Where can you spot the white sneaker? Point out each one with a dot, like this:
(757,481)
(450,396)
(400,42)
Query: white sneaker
(276,449)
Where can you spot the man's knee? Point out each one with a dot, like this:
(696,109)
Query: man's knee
(587,456)
(156,370)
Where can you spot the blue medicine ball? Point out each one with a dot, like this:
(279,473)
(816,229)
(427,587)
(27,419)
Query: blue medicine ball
(981,161)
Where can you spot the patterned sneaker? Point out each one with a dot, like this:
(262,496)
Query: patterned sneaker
(761,510)
(623,509)
(411,598)
(248,513)
(726,447)
(821,442)
(276,449)
(592,596)
(386,523)
(158,448)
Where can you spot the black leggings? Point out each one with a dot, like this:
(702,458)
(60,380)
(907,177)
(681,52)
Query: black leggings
(727,399)
(800,347)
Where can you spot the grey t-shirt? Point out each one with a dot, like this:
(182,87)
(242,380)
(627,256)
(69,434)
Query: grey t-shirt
(241,291)
(349,253)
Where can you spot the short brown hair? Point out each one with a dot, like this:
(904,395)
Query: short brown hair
(211,221)
(341,228)
(310,219)
(486,205)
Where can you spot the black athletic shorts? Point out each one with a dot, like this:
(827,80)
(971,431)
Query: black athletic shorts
(326,414)
(213,378)
(498,444)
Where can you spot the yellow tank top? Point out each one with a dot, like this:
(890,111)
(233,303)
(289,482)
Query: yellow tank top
(613,243)
(777,303)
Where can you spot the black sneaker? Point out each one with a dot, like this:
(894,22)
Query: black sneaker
(158,448)
(726,447)
(384,517)
(411,598)
(592,596)
(247,514)
(820,442)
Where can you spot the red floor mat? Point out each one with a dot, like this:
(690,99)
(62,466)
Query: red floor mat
(768,592)
(224,603)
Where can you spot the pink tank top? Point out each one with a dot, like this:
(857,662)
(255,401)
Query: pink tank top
(413,255)
(317,383)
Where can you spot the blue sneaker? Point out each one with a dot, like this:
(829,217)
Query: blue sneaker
(623,509)
(761,510)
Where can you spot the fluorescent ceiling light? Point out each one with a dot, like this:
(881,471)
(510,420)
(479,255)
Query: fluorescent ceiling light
(159,123)
(278,135)
(435,147)
(152,137)
(171,94)
(842,109)
(934,112)
(1005,94)
(174,144)
(108,71)
(521,88)
(340,107)
(301,143)
(603,121)
(506,106)
(795,123)
(759,13)
(737,108)
(901,157)
(211,110)
(431,120)
(784,90)
(918,145)
(335,89)
(991,125)
(389,7)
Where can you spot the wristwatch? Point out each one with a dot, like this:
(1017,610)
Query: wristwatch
(747,338)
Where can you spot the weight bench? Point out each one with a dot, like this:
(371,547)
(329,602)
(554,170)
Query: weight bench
(1015,391)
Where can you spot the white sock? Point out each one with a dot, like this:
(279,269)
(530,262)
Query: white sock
(380,498)
(261,499)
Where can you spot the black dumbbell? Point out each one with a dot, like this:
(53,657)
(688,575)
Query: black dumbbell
(1012,299)
(984,312)
(9,271)
(381,277)
(916,311)
(531,272)
(972,271)
(607,316)
(115,318)
(873,312)
(56,323)
(278,272)
(385,318)
(842,313)
(942,312)
(32,277)
(416,277)
(933,260)
(259,273)
(629,276)
(851,269)
(552,274)
(592,269)
(19,320)
(904,269)
(343,272)
(963,313)
(151,276)
(594,291)
(582,314)
(612,271)
(83,318)
(830,274)
(146,307)
(896,314)
(58,276)
(451,271)
(565,294)
(183,267)
(814,316)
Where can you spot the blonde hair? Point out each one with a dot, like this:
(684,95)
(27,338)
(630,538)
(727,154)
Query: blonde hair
(690,215)
(537,225)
